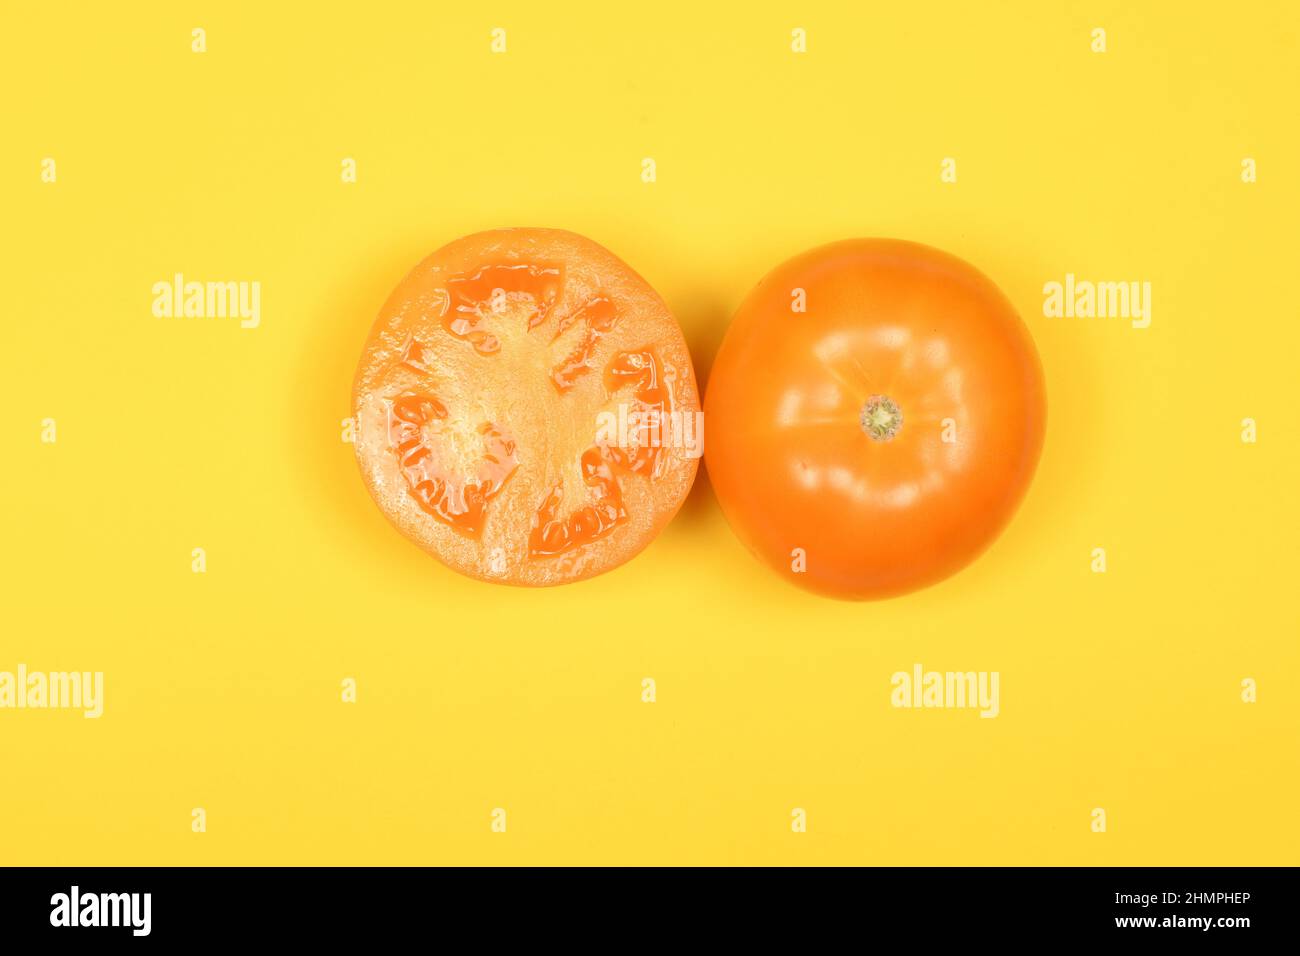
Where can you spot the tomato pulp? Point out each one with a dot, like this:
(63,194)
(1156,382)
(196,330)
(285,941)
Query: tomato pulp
(876,412)
(526,409)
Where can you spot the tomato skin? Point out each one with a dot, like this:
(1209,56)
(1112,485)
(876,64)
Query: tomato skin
(797,474)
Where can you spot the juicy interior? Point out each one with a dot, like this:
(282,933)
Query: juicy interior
(508,385)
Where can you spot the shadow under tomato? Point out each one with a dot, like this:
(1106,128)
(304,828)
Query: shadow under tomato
(1075,441)
(704,319)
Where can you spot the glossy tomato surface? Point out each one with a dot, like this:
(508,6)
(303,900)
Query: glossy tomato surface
(525,408)
(875,414)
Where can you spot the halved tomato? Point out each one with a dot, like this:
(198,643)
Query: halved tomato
(526,408)
(876,412)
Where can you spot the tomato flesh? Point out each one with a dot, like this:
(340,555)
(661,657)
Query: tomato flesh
(480,393)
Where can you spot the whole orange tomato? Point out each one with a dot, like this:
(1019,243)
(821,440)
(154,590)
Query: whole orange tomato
(874,416)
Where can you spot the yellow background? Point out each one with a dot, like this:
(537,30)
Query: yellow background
(1118,690)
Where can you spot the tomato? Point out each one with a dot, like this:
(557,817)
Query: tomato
(875,414)
(525,408)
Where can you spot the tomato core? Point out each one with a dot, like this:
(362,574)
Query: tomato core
(881,418)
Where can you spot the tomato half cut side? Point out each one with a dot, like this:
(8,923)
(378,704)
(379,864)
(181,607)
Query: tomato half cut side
(876,412)
(525,408)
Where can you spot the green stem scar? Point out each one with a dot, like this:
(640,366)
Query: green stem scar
(881,418)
